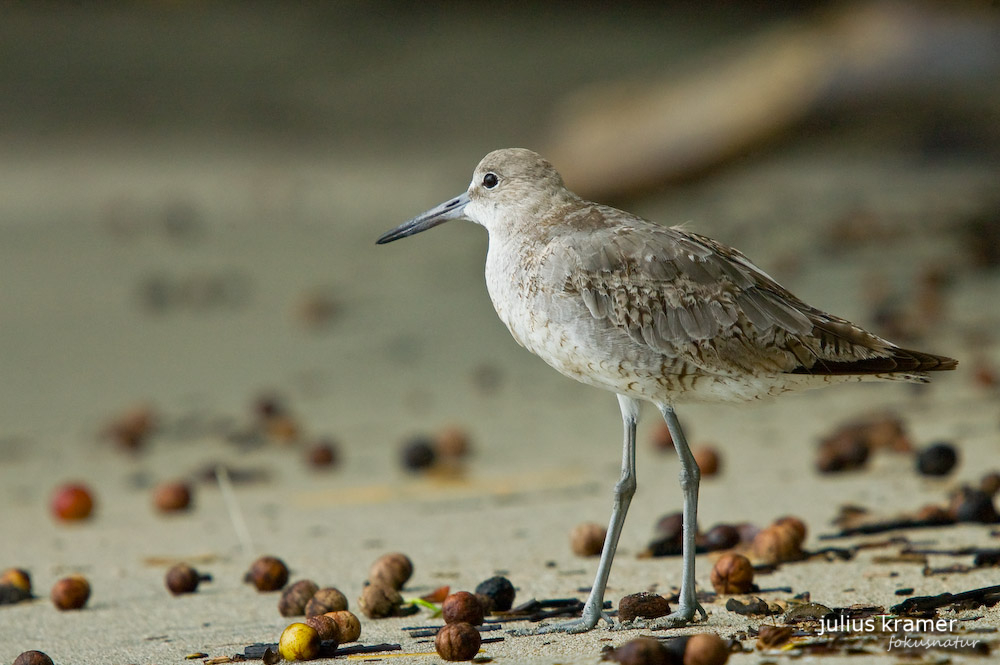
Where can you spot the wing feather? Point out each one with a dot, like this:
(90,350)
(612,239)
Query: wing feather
(687,296)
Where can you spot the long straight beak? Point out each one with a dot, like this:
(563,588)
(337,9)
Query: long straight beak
(453,209)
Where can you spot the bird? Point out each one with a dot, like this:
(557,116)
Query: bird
(654,314)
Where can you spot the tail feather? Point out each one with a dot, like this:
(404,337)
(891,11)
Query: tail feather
(900,361)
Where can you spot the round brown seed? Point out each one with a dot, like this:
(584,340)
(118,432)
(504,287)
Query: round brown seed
(328,629)
(268,573)
(294,599)
(642,605)
(350,626)
(182,578)
(934,514)
(732,573)
(452,442)
(642,651)
(72,502)
(323,454)
(326,600)
(17,577)
(797,527)
(973,505)
(720,537)
(70,593)
(587,539)
(708,460)
(775,544)
(378,601)
(462,607)
(706,649)
(990,483)
(771,637)
(172,497)
(457,641)
(392,570)
(33,658)
(661,439)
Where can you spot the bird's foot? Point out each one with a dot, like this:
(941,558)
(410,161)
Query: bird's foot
(581,625)
(682,617)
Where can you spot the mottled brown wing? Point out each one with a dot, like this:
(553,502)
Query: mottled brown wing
(684,295)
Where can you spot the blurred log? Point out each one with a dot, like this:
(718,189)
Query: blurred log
(615,138)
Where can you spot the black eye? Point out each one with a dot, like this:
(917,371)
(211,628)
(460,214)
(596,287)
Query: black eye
(490,180)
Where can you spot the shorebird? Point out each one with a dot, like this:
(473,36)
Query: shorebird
(650,313)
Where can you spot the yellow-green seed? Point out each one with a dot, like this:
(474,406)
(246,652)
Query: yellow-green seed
(299,642)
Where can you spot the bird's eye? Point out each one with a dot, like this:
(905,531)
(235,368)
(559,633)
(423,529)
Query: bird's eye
(490,180)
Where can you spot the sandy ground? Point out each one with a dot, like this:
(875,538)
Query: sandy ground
(92,226)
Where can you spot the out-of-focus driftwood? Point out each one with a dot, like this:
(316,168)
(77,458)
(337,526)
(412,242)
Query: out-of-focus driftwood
(611,139)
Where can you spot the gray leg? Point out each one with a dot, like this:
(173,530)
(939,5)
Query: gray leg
(690,476)
(624,490)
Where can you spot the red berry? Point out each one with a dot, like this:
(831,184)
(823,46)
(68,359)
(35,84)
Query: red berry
(72,502)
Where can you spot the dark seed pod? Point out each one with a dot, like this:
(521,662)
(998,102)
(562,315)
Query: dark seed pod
(350,626)
(462,607)
(487,602)
(71,593)
(771,637)
(326,600)
(797,527)
(990,483)
(17,577)
(500,590)
(182,578)
(642,605)
(587,539)
(937,460)
(392,570)
(418,454)
(268,573)
(452,442)
(378,601)
(294,599)
(706,649)
(10,594)
(33,658)
(776,544)
(720,537)
(708,460)
(172,497)
(457,641)
(670,525)
(974,505)
(661,439)
(732,573)
(72,502)
(676,646)
(845,452)
(748,531)
(642,651)
(323,454)
(327,627)
(934,514)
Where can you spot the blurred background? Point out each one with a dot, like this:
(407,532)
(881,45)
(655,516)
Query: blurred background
(190,193)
